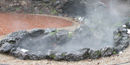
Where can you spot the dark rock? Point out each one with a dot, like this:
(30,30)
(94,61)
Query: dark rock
(33,6)
(121,47)
(127,25)
(116,32)
(9,40)
(46,1)
(18,34)
(36,0)
(123,41)
(59,56)
(85,52)
(107,51)
(62,37)
(33,57)
(124,34)
(59,6)
(3,9)
(122,30)
(74,8)
(48,30)
(36,10)
(60,10)
(94,54)
(11,8)
(6,47)
(125,38)
(21,53)
(36,32)
(56,3)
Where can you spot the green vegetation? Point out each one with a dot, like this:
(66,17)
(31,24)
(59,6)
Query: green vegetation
(53,56)
(118,34)
(114,52)
(52,33)
(70,34)
(18,8)
(63,54)
(53,12)
(40,12)
(98,52)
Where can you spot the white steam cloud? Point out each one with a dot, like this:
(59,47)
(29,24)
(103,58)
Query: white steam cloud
(102,18)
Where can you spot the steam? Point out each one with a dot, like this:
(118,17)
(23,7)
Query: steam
(102,19)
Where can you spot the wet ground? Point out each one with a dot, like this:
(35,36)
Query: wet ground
(11,22)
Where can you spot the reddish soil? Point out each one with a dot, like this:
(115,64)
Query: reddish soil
(11,22)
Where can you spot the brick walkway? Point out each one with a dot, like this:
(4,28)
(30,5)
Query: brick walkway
(11,22)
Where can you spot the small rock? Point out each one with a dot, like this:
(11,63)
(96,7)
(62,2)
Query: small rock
(128,31)
(60,11)
(122,30)
(46,1)
(4,9)
(48,30)
(6,47)
(56,3)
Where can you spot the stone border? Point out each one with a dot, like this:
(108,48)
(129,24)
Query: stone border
(9,46)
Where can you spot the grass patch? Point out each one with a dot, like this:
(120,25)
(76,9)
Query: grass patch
(54,12)
(70,34)
(53,56)
(99,52)
(114,52)
(52,33)
(63,54)
(40,12)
